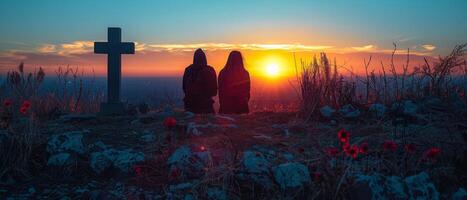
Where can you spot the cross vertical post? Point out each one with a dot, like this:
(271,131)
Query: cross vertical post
(113,48)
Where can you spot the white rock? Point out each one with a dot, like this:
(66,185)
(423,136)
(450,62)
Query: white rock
(188,163)
(292,175)
(125,159)
(61,160)
(192,128)
(349,111)
(69,141)
(461,194)
(420,187)
(257,168)
(148,136)
(378,109)
(120,159)
(379,186)
(100,162)
(327,111)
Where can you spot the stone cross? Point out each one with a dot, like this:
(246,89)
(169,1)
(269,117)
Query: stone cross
(113,48)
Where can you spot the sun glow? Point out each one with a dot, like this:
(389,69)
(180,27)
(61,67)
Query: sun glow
(272,69)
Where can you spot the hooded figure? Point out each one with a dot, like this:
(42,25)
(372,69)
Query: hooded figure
(234,86)
(199,85)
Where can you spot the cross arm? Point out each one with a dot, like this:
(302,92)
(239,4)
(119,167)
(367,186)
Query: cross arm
(101,47)
(127,48)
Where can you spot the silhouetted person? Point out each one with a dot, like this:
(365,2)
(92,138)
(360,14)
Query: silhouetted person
(234,86)
(199,85)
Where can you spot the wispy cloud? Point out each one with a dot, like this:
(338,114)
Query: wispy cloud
(429,47)
(47,48)
(76,47)
(227,46)
(369,47)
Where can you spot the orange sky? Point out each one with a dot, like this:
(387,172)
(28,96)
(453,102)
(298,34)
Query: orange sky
(171,60)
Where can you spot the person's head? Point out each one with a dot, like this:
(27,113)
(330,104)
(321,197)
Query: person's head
(235,61)
(199,58)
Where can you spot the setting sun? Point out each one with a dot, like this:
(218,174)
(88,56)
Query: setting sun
(272,69)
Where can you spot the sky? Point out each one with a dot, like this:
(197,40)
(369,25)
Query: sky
(51,33)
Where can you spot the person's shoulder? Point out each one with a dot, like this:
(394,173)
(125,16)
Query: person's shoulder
(189,67)
(211,69)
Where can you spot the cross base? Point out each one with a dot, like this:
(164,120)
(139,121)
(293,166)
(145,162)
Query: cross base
(114,108)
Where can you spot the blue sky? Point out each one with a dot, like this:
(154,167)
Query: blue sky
(62,32)
(338,23)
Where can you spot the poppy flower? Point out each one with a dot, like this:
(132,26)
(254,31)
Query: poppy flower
(23,110)
(363,148)
(389,145)
(174,173)
(7,102)
(346,146)
(202,148)
(301,150)
(332,151)
(410,148)
(343,135)
(170,123)
(352,151)
(26,104)
(432,152)
(137,170)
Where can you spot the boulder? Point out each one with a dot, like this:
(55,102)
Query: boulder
(327,111)
(148,136)
(184,163)
(292,175)
(119,159)
(349,111)
(461,194)
(378,186)
(421,187)
(257,168)
(378,109)
(67,142)
(61,160)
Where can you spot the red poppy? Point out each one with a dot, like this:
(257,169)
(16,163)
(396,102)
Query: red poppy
(7,102)
(390,145)
(170,122)
(301,149)
(410,148)
(344,136)
(352,151)
(346,146)
(174,173)
(432,152)
(363,148)
(23,110)
(202,148)
(137,170)
(26,104)
(332,151)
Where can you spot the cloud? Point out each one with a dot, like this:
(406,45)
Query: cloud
(47,48)
(76,47)
(429,47)
(369,47)
(227,46)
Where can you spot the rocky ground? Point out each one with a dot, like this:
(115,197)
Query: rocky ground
(408,150)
